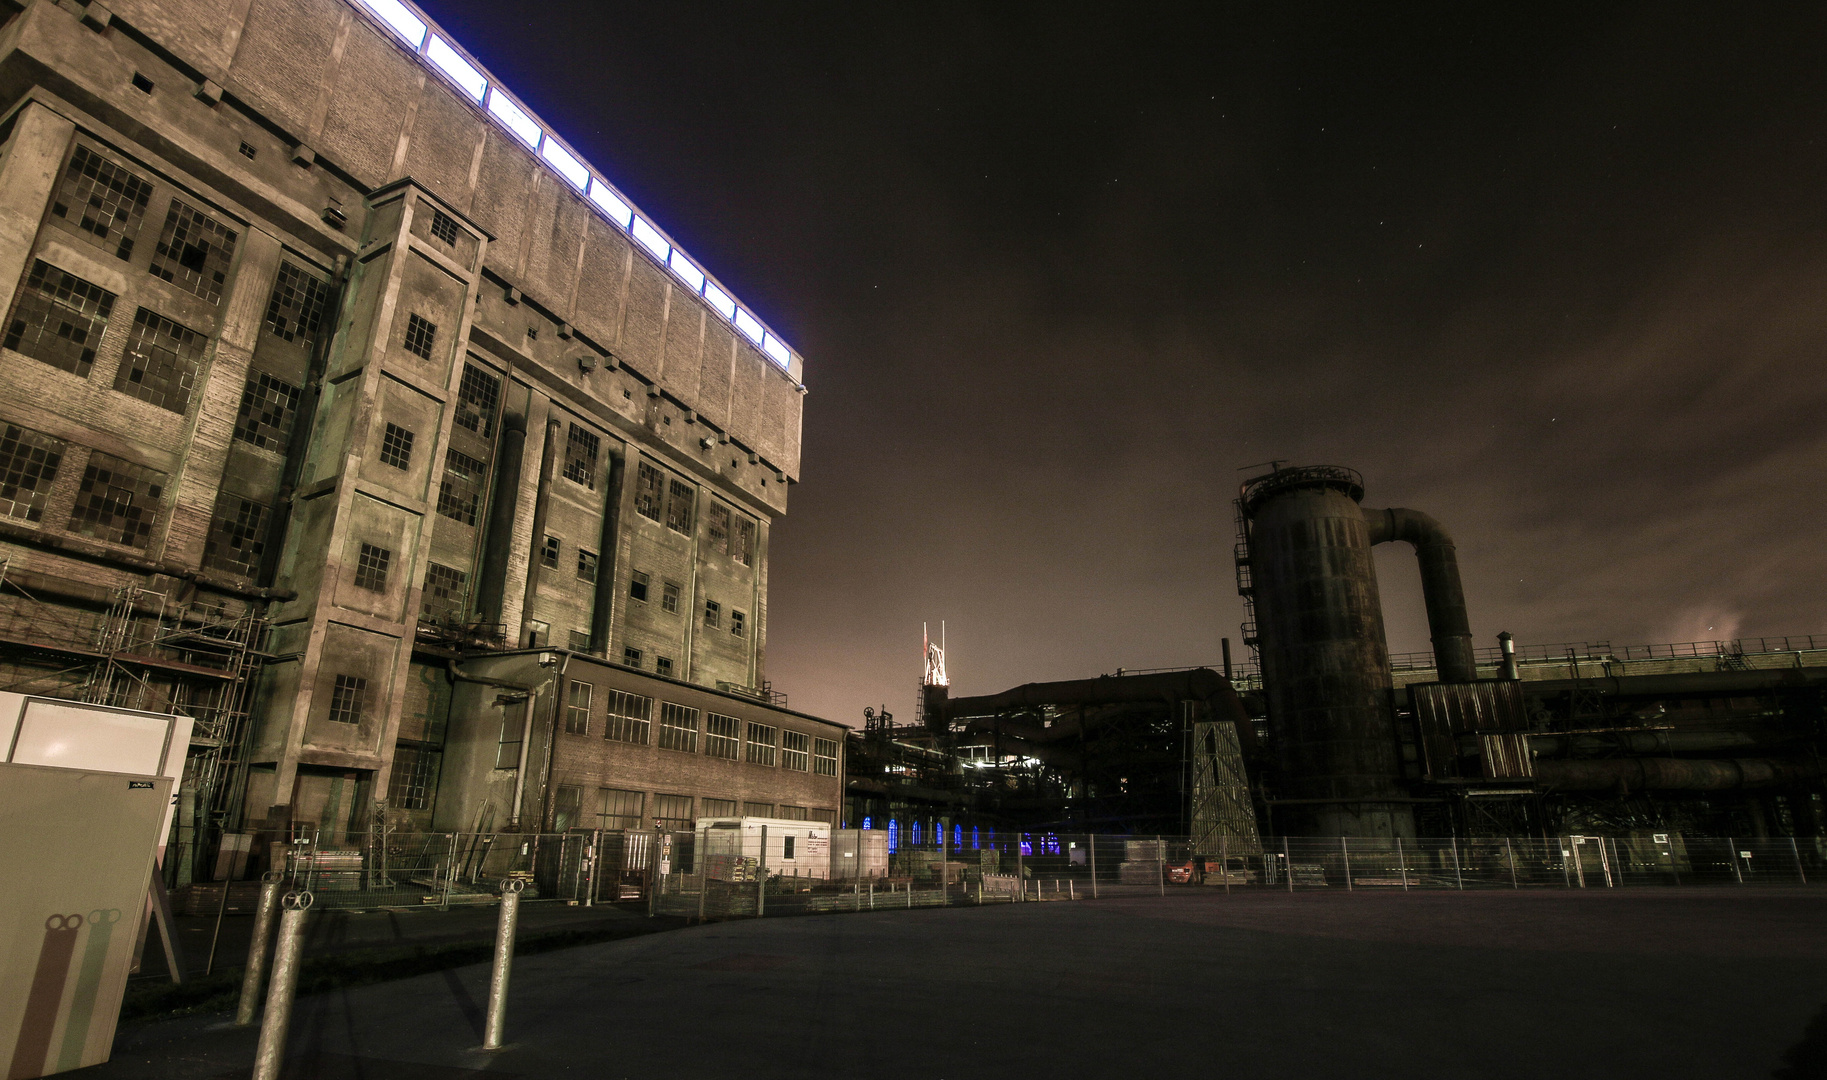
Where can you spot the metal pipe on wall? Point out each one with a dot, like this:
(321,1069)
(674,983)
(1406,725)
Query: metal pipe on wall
(491,588)
(602,612)
(540,505)
(1441,590)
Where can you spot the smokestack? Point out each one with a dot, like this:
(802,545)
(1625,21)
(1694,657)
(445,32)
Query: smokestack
(1507,645)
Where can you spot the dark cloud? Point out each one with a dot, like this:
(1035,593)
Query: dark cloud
(1555,277)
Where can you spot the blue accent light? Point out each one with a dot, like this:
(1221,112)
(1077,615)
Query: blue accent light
(772,346)
(958,837)
(974,844)
(513,117)
(564,164)
(894,834)
(866,823)
(450,62)
(916,834)
(400,19)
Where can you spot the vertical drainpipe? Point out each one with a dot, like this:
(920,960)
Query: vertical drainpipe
(540,503)
(695,603)
(602,612)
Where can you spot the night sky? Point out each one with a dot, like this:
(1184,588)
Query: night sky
(1060,272)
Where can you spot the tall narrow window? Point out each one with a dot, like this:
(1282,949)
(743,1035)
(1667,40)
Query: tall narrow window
(421,336)
(619,809)
(581,450)
(793,750)
(629,717)
(396,447)
(371,568)
(194,252)
(236,538)
(28,466)
(669,597)
(478,395)
(679,506)
(738,623)
(717,527)
(548,554)
(577,708)
(678,727)
(269,407)
(713,614)
(722,736)
(161,362)
(460,491)
(118,501)
(761,743)
(586,566)
(296,308)
(59,318)
(414,777)
(347,697)
(649,492)
(742,540)
(105,202)
(446,589)
(824,757)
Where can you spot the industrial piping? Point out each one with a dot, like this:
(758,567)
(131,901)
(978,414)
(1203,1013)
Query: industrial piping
(1441,589)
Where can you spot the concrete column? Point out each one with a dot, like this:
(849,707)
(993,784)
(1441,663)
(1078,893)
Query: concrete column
(29,168)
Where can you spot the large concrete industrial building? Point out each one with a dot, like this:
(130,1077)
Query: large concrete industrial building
(353,413)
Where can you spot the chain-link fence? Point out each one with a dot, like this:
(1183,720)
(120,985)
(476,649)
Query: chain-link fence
(726,870)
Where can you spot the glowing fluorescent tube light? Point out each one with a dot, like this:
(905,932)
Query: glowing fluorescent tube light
(607,201)
(564,164)
(451,63)
(720,300)
(687,273)
(400,19)
(513,118)
(650,238)
(772,346)
(749,327)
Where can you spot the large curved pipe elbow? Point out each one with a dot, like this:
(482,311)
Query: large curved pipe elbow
(1447,623)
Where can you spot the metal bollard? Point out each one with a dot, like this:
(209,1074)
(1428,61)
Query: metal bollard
(504,963)
(256,949)
(270,1054)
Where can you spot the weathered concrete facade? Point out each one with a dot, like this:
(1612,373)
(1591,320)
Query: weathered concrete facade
(295,326)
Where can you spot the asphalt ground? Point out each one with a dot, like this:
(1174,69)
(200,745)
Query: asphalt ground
(1610,983)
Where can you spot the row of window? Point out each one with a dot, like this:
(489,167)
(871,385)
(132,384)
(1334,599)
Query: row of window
(659,499)
(106,204)
(116,501)
(629,718)
(639,588)
(617,808)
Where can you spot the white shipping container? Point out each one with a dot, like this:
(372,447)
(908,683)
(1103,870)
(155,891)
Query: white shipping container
(794,848)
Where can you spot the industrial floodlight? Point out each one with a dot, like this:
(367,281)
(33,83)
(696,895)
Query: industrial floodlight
(609,203)
(649,237)
(513,117)
(564,164)
(400,19)
(461,71)
(686,272)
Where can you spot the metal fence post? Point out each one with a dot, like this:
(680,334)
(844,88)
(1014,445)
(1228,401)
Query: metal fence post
(1732,853)
(1161,862)
(1345,849)
(271,1052)
(256,949)
(1021,876)
(596,855)
(450,872)
(1565,848)
(1224,861)
(1510,850)
(1402,861)
(761,877)
(1091,841)
(1287,856)
(1458,875)
(1800,874)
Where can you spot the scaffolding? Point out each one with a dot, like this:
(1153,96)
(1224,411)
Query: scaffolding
(1223,816)
(197,657)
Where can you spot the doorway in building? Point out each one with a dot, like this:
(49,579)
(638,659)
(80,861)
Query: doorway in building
(335,801)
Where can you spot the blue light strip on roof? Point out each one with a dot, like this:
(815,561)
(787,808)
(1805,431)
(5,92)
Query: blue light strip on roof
(411,26)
